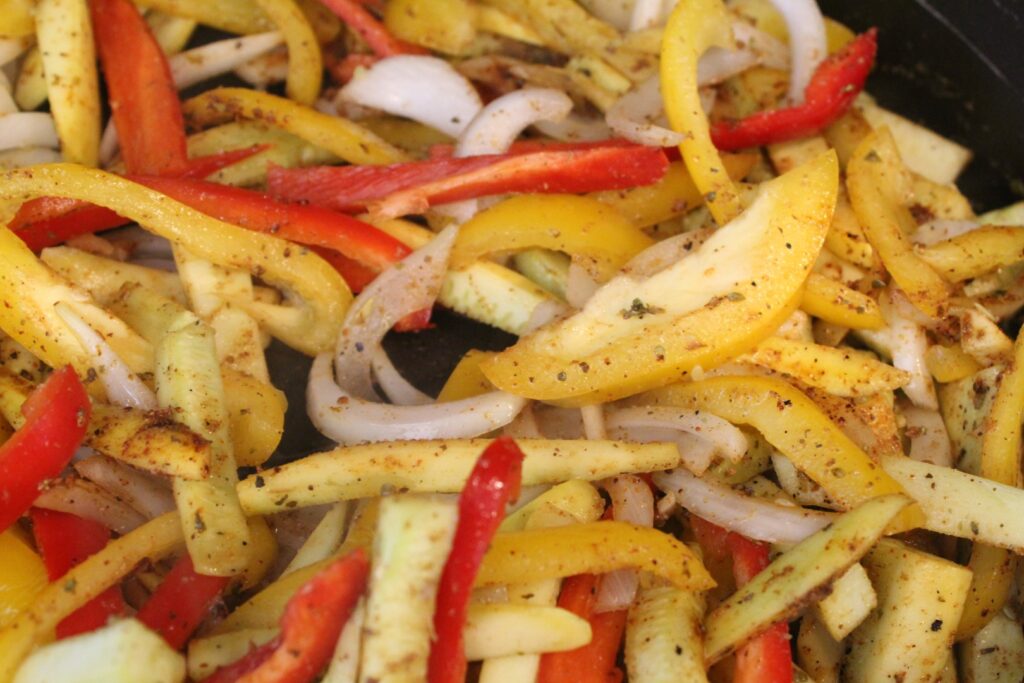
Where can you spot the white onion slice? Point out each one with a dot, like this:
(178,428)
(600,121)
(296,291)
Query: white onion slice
(575,128)
(425,89)
(142,491)
(771,52)
(807,43)
(909,344)
(647,14)
(940,229)
(524,426)
(123,386)
(633,116)
(213,59)
(12,48)
(404,288)
(28,129)
(86,499)
(929,440)
(632,502)
(614,12)
(728,440)
(28,156)
(266,69)
(397,389)
(593,422)
(7,103)
(579,286)
(350,420)
(498,124)
(664,253)
(752,517)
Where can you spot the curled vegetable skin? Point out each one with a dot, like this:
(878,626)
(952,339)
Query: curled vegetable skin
(318,292)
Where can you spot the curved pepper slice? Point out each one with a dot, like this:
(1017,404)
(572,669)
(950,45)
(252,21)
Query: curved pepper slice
(707,308)
(693,27)
(319,294)
(493,483)
(597,237)
(835,84)
(794,425)
(56,417)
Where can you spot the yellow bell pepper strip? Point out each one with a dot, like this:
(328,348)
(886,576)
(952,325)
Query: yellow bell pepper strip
(466,379)
(65,38)
(693,27)
(592,548)
(874,181)
(56,417)
(975,253)
(348,140)
(232,16)
(798,429)
(151,541)
(599,239)
(321,296)
(993,569)
(305,63)
(17,19)
(447,26)
(673,195)
(949,363)
(22,575)
(834,302)
(632,336)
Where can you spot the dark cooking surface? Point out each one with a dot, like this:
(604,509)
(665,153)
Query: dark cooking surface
(952,65)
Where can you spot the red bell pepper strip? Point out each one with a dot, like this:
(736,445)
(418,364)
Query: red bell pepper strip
(446,151)
(65,540)
(411,187)
(493,482)
(181,602)
(767,657)
(143,99)
(835,84)
(359,19)
(310,627)
(595,661)
(56,418)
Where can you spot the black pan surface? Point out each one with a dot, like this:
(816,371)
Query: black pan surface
(951,65)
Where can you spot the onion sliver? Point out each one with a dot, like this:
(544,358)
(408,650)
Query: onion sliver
(929,440)
(350,420)
(123,386)
(909,344)
(807,43)
(575,128)
(752,517)
(633,115)
(498,124)
(425,89)
(632,502)
(941,229)
(140,490)
(404,288)
(213,59)
(28,129)
(728,440)
(397,389)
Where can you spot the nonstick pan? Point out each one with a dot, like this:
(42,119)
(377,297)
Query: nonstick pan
(951,65)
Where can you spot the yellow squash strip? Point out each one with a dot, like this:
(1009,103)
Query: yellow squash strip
(189,384)
(30,291)
(65,40)
(594,548)
(30,90)
(695,26)
(874,181)
(521,630)
(103,277)
(348,140)
(673,195)
(798,429)
(313,322)
(975,253)
(665,636)
(994,569)
(846,238)
(599,239)
(784,587)
(16,20)
(717,302)
(838,304)
(839,371)
(305,63)
(232,16)
(22,575)
(438,467)
(151,541)
(949,363)
(172,34)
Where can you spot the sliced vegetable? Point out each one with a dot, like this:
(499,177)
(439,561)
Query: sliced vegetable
(830,92)
(492,485)
(22,575)
(56,416)
(305,62)
(181,602)
(664,636)
(145,103)
(359,19)
(65,541)
(310,626)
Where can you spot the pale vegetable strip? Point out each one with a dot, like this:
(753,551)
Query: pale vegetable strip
(189,383)
(233,16)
